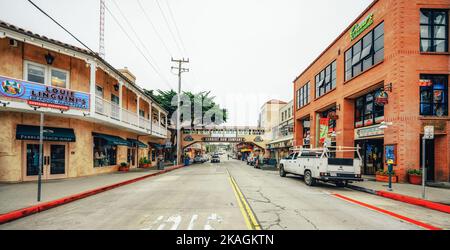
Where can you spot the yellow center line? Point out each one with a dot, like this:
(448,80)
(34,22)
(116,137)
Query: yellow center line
(249,216)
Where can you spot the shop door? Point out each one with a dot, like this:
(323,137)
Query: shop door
(54,161)
(132,157)
(429,158)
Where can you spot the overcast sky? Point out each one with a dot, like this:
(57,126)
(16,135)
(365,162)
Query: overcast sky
(245,51)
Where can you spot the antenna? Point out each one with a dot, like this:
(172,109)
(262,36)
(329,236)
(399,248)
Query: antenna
(102,29)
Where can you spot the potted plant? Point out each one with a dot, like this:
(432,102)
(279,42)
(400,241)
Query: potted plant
(415,176)
(124,167)
(383,176)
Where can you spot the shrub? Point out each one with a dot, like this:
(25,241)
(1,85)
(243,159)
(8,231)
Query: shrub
(124,164)
(385,173)
(415,172)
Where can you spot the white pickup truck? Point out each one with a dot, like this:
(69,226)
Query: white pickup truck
(319,165)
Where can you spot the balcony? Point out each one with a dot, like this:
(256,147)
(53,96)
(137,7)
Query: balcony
(127,118)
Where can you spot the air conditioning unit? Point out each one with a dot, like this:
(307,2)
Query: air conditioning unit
(13,43)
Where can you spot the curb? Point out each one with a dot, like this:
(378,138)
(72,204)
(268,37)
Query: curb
(406,199)
(20,213)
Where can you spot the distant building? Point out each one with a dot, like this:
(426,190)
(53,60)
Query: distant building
(282,133)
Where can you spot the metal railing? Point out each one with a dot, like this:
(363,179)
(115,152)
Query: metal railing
(114,111)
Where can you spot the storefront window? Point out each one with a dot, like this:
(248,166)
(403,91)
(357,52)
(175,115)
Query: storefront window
(434,30)
(367,111)
(434,95)
(104,153)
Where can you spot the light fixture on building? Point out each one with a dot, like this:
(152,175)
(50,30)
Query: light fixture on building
(49,59)
(116,87)
(388,87)
(338,107)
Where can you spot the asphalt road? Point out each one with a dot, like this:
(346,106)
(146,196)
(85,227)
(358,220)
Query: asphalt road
(202,197)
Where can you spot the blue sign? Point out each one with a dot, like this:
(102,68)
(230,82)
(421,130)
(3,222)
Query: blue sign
(40,93)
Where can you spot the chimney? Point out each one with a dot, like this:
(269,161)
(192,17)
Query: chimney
(127,73)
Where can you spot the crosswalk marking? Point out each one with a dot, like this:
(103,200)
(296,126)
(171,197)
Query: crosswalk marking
(173,222)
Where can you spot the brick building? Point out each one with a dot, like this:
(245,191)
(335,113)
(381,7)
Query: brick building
(379,84)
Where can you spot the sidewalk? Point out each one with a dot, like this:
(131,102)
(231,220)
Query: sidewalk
(21,195)
(439,195)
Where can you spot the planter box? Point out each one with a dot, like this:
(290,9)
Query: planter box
(415,179)
(124,169)
(384,178)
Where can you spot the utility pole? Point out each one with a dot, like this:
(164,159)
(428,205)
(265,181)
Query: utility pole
(180,71)
(102,29)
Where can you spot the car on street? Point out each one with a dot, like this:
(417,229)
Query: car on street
(199,159)
(321,165)
(215,159)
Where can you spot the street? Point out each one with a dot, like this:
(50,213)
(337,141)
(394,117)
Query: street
(201,197)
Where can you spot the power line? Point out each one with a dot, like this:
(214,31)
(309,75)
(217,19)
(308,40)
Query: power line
(168,27)
(137,47)
(176,27)
(60,25)
(136,34)
(154,28)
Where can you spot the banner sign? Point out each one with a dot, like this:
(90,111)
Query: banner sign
(223,139)
(361,27)
(41,95)
(382,98)
(323,125)
(373,131)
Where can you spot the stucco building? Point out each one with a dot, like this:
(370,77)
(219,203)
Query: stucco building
(95,116)
(379,84)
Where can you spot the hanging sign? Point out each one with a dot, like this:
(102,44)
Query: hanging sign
(361,27)
(43,95)
(382,98)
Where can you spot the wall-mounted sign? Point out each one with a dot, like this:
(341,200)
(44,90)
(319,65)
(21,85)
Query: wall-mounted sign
(43,95)
(188,138)
(359,28)
(440,127)
(333,115)
(425,83)
(223,139)
(367,132)
(258,139)
(382,98)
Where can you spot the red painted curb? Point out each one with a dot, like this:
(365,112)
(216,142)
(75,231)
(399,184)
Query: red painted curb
(412,221)
(415,201)
(20,213)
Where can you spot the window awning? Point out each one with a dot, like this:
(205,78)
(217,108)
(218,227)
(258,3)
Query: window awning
(26,132)
(133,143)
(111,139)
(156,145)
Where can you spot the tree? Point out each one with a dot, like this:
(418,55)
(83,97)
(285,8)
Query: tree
(202,99)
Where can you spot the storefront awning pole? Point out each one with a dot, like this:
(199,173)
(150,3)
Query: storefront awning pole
(41,140)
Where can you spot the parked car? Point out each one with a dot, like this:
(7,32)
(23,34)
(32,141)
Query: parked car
(319,165)
(199,159)
(215,159)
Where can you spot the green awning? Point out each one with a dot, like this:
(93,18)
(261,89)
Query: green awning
(133,143)
(156,145)
(26,132)
(111,139)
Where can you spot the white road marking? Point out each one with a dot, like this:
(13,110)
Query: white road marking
(176,220)
(212,218)
(191,223)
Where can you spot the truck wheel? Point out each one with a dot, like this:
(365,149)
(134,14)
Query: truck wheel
(282,172)
(309,180)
